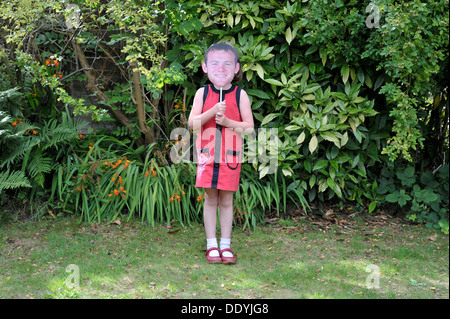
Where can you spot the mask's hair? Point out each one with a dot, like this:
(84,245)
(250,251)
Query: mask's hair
(222,46)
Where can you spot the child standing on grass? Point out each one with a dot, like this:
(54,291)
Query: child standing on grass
(221,112)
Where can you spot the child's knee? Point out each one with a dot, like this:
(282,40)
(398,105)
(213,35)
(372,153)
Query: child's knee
(212,197)
(225,200)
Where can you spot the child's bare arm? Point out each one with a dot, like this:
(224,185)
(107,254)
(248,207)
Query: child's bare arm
(197,118)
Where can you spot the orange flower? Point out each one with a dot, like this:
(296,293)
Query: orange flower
(200,197)
(150,170)
(117,163)
(51,62)
(174,197)
(17,121)
(117,192)
(179,104)
(35,132)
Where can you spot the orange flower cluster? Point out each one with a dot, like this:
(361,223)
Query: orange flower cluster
(118,162)
(80,188)
(176,196)
(32,131)
(180,104)
(91,145)
(117,192)
(120,180)
(117,179)
(180,139)
(53,62)
(50,62)
(17,121)
(173,197)
(150,170)
(200,198)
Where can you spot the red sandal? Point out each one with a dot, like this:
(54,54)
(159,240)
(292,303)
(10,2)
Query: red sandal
(228,260)
(213,259)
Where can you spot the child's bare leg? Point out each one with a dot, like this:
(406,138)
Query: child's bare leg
(226,213)
(210,219)
(210,211)
(226,220)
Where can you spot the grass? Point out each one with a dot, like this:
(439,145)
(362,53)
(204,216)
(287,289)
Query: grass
(302,257)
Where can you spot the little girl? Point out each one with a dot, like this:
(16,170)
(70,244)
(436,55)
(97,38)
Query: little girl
(221,112)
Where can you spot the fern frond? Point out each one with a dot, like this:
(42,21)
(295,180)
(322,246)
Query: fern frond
(10,100)
(15,179)
(9,95)
(15,149)
(38,166)
(56,134)
(59,136)
(4,118)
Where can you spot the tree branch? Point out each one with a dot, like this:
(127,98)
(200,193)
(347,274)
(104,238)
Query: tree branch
(100,95)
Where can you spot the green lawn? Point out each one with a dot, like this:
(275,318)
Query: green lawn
(296,258)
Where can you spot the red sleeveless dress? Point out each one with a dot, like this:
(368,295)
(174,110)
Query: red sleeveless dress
(219,149)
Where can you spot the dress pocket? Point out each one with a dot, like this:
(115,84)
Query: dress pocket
(204,157)
(232,159)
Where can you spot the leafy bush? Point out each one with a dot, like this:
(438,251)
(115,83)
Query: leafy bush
(31,152)
(320,100)
(325,79)
(425,198)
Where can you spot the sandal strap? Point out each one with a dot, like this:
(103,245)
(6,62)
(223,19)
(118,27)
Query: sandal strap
(226,249)
(211,249)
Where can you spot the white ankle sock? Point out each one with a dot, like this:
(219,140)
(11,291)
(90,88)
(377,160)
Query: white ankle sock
(225,243)
(210,243)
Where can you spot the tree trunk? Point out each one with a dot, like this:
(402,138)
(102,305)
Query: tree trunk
(140,106)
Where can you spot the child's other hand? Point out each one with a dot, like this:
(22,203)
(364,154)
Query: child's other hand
(221,119)
(220,107)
